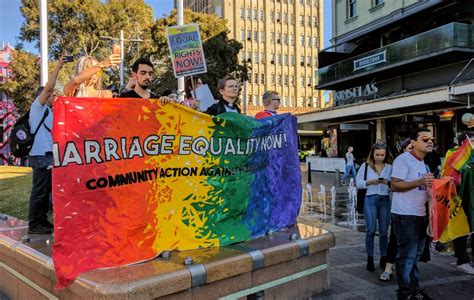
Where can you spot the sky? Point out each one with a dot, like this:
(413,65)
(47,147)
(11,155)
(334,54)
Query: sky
(11,20)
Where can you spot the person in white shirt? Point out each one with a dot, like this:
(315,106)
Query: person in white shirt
(410,180)
(350,166)
(377,201)
(41,155)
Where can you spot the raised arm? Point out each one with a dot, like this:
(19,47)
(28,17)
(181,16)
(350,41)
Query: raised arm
(53,77)
(87,74)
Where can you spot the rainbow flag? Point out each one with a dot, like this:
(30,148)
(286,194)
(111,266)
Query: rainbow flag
(464,154)
(133,178)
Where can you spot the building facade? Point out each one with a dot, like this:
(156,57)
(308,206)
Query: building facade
(393,66)
(281,40)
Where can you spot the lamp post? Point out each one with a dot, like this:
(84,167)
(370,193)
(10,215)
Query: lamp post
(121,41)
(44,41)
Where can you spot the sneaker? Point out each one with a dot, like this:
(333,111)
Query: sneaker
(39,230)
(466,268)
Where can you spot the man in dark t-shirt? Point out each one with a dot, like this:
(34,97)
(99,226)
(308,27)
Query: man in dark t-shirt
(142,71)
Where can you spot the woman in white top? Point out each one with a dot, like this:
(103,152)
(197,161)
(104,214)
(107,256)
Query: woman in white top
(377,202)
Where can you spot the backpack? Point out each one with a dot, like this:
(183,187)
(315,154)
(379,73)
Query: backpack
(21,139)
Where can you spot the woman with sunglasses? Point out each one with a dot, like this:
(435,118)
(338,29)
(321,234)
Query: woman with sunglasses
(377,202)
(87,79)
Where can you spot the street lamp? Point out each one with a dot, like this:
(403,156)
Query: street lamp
(121,40)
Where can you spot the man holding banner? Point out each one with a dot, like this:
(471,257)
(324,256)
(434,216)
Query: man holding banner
(410,179)
(142,71)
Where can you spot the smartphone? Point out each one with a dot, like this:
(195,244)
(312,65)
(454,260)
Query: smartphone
(381,179)
(69,58)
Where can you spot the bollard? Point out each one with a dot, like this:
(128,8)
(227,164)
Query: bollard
(309,172)
(337,180)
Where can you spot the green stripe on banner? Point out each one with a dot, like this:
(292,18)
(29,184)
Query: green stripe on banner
(274,283)
(28,282)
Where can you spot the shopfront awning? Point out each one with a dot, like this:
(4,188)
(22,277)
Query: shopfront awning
(395,105)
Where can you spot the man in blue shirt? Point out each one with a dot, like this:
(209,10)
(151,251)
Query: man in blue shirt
(41,155)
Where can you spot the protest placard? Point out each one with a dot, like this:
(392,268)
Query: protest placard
(186,50)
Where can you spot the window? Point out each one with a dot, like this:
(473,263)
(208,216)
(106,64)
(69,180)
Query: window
(242,56)
(302,61)
(242,34)
(255,35)
(279,59)
(255,99)
(378,2)
(302,81)
(262,36)
(292,60)
(292,80)
(292,40)
(285,39)
(255,58)
(278,38)
(249,13)
(262,57)
(302,2)
(301,20)
(273,78)
(262,78)
(308,80)
(272,58)
(272,16)
(285,80)
(290,19)
(301,40)
(249,98)
(302,101)
(249,35)
(308,61)
(278,16)
(255,79)
(315,60)
(249,56)
(279,79)
(285,18)
(262,16)
(315,21)
(308,41)
(255,14)
(272,37)
(242,13)
(308,2)
(285,60)
(308,21)
(351,8)
(315,41)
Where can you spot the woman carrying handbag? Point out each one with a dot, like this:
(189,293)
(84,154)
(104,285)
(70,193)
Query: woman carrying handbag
(377,202)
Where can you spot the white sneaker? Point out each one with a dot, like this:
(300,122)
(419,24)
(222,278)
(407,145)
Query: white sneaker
(466,268)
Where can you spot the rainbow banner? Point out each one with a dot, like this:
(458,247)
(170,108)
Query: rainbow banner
(133,178)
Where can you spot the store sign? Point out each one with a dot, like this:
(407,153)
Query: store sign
(354,126)
(370,60)
(422,119)
(344,97)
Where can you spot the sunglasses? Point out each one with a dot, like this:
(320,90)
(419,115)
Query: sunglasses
(380,146)
(427,140)
(276,99)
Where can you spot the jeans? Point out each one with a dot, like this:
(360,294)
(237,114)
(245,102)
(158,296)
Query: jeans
(392,247)
(376,209)
(41,190)
(411,233)
(347,171)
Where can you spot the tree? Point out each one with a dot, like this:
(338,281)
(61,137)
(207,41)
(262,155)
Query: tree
(22,86)
(221,54)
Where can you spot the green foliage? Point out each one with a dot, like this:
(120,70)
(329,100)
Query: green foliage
(25,79)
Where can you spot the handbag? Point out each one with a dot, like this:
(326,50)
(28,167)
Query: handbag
(361,195)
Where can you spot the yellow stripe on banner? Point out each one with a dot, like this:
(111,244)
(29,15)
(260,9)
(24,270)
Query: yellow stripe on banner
(274,283)
(28,281)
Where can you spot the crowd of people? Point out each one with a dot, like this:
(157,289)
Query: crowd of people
(86,82)
(396,198)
